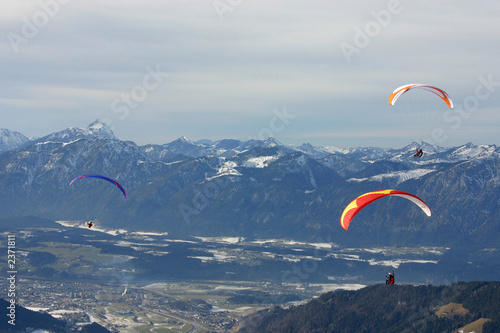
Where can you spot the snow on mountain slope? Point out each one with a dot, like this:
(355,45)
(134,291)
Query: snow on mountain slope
(228,168)
(259,162)
(398,176)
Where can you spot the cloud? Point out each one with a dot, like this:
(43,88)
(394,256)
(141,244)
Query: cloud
(261,55)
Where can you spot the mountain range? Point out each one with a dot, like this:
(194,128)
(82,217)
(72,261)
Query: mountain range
(255,188)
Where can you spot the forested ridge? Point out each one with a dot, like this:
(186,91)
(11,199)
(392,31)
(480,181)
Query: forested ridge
(381,308)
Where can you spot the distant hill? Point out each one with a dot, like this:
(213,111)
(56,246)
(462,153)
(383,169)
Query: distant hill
(25,320)
(22,222)
(381,308)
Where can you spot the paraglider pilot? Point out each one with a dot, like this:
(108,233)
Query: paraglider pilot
(90,224)
(419,153)
(389,278)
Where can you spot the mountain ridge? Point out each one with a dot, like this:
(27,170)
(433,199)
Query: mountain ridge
(252,188)
(381,308)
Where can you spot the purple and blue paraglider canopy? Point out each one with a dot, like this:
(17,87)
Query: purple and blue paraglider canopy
(102,177)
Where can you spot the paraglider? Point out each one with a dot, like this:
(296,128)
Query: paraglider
(102,177)
(96,200)
(419,153)
(403,89)
(363,200)
(389,277)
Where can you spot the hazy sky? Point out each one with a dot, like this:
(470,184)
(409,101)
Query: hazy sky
(316,71)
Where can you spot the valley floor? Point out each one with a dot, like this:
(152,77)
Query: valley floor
(159,307)
(148,282)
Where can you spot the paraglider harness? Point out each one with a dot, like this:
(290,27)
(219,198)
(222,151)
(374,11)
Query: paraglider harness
(389,278)
(419,153)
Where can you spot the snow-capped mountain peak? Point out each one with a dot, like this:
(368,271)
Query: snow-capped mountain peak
(101,130)
(470,150)
(96,130)
(10,140)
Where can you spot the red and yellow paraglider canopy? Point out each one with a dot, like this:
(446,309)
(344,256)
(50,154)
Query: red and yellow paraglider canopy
(363,200)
